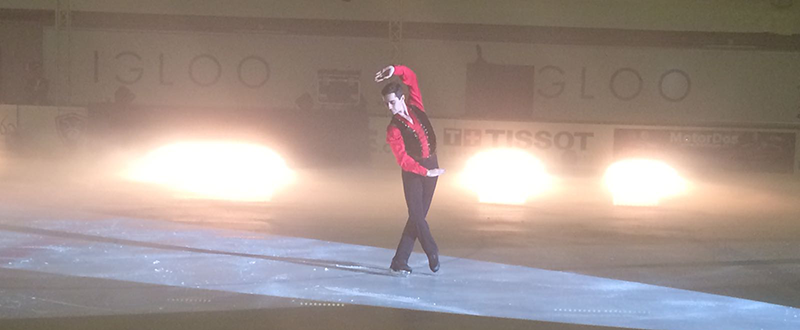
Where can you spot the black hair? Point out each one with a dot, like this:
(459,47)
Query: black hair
(393,87)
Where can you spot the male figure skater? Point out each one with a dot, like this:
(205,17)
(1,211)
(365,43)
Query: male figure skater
(413,144)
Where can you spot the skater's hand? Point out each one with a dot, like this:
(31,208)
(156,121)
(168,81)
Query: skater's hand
(384,74)
(435,172)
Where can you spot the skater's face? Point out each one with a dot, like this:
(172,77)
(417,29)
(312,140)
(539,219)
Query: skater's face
(395,105)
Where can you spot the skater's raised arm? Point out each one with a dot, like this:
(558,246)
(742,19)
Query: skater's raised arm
(408,77)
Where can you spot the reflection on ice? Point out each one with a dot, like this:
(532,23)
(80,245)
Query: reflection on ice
(169,254)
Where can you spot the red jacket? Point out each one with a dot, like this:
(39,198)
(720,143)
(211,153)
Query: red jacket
(393,134)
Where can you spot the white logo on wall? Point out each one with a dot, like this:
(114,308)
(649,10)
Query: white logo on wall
(542,139)
(71,127)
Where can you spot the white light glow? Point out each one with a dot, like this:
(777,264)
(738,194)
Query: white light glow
(642,182)
(215,170)
(505,176)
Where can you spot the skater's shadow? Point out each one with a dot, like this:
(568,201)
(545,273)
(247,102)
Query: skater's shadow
(331,264)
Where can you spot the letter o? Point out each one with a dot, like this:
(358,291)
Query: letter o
(685,93)
(614,78)
(557,140)
(191,70)
(266,70)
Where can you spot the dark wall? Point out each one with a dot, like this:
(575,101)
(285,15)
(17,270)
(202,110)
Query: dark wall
(20,45)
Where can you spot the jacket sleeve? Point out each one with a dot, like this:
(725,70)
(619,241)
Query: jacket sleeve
(406,162)
(409,78)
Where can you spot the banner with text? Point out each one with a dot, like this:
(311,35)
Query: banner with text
(737,150)
(558,146)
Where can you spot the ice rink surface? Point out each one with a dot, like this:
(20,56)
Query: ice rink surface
(83,251)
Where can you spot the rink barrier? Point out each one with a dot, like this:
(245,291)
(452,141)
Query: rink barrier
(569,147)
(30,130)
(50,130)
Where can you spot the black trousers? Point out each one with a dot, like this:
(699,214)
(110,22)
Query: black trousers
(419,194)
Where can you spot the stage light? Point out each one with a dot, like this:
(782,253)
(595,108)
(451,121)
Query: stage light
(642,182)
(505,176)
(215,170)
